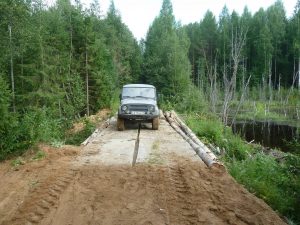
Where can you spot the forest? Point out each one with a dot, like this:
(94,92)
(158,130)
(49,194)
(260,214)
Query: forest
(64,62)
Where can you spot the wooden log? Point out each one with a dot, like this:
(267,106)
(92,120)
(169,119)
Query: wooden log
(192,135)
(200,151)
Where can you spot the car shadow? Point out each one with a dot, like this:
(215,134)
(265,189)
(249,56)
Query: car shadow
(133,125)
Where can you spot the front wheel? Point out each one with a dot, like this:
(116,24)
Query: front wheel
(120,124)
(155,123)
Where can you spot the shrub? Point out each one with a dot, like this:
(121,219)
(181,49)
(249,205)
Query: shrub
(19,133)
(39,125)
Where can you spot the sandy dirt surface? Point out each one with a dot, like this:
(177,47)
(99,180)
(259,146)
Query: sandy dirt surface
(97,185)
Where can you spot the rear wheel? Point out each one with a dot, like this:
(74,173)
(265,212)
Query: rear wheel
(155,123)
(120,124)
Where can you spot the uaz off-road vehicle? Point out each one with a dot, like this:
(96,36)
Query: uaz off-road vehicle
(138,103)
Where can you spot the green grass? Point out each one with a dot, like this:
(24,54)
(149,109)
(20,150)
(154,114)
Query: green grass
(257,111)
(115,102)
(17,162)
(278,183)
(269,180)
(155,157)
(79,137)
(39,155)
(213,131)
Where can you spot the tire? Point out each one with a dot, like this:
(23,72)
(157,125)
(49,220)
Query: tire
(120,124)
(155,123)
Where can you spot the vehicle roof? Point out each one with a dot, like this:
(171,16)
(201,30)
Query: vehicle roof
(138,85)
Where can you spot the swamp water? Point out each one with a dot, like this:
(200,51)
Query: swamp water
(267,133)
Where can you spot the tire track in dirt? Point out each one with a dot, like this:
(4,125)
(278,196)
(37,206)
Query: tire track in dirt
(43,198)
(180,196)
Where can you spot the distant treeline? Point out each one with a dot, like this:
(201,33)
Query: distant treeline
(270,45)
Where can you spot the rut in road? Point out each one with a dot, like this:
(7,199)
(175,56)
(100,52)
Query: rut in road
(42,199)
(181,194)
(136,145)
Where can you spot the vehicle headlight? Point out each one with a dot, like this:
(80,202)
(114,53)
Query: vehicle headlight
(151,108)
(124,107)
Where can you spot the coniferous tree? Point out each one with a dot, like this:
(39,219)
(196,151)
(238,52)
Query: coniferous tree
(277,25)
(166,63)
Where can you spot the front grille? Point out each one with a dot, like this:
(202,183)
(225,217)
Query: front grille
(138,108)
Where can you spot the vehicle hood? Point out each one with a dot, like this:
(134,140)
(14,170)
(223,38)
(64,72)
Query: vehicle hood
(138,101)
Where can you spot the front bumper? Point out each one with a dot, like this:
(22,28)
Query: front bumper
(140,117)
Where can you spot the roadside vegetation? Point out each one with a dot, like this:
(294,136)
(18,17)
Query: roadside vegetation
(276,180)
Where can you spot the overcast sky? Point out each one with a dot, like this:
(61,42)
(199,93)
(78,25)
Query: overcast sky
(139,14)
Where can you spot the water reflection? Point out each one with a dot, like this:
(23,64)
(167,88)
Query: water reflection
(267,133)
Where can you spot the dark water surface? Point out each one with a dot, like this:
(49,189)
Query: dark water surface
(267,133)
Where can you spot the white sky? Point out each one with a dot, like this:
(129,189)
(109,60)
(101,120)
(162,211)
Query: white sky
(139,14)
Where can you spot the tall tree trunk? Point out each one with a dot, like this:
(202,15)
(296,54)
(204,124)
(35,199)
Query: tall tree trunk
(12,70)
(71,45)
(279,85)
(299,72)
(87,82)
(270,80)
(22,70)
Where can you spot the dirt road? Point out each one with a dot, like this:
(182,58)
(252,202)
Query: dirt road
(97,185)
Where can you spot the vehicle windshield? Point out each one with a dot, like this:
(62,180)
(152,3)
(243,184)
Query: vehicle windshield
(138,92)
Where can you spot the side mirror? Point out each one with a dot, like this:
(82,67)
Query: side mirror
(120,97)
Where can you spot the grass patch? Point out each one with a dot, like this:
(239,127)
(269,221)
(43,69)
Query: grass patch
(39,155)
(115,102)
(274,111)
(269,180)
(154,156)
(17,162)
(213,131)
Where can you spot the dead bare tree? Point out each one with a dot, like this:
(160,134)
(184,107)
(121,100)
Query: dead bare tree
(211,70)
(245,86)
(299,72)
(286,101)
(238,42)
(270,81)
